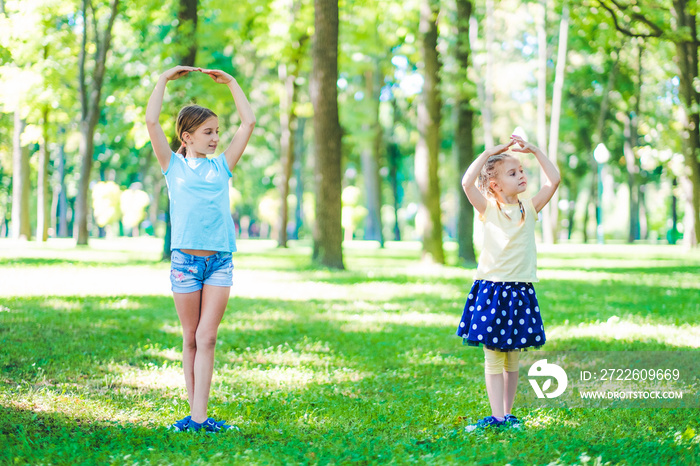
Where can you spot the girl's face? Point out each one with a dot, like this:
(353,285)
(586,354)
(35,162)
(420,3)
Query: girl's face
(510,179)
(205,138)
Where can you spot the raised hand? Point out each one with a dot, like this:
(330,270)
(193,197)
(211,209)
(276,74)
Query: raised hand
(525,147)
(178,72)
(218,76)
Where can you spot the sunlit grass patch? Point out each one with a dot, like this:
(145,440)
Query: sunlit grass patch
(324,367)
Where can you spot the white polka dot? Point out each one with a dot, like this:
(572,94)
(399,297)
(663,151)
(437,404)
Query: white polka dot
(478,308)
(480,337)
(503,332)
(471,308)
(529,330)
(527,311)
(508,287)
(537,338)
(495,340)
(510,303)
(534,321)
(471,296)
(520,302)
(503,313)
(522,321)
(510,322)
(522,340)
(515,294)
(493,311)
(530,291)
(498,321)
(488,301)
(505,294)
(461,324)
(489,328)
(515,331)
(523,288)
(542,327)
(537,309)
(509,341)
(464,335)
(486,291)
(474,326)
(483,318)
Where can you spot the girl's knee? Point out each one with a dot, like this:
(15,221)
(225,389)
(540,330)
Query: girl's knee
(206,340)
(189,341)
(495,361)
(512,362)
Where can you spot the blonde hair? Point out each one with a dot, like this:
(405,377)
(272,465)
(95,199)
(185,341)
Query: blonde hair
(489,172)
(188,120)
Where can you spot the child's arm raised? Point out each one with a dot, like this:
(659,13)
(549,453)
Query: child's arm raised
(470,176)
(541,199)
(158,139)
(234,151)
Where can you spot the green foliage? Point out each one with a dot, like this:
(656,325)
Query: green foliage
(323,367)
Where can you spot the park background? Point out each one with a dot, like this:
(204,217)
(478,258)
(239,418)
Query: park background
(357,243)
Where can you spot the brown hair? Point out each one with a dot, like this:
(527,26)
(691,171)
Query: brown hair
(189,119)
(488,172)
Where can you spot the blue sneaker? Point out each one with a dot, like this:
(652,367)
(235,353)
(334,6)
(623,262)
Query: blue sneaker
(181,425)
(512,421)
(210,425)
(484,423)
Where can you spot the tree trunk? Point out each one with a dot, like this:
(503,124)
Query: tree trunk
(21,228)
(687,58)
(328,232)
(287,123)
(464,137)
(541,21)
(631,162)
(90,106)
(428,146)
(61,197)
(487,107)
(298,165)
(550,213)
(42,204)
(370,159)
(186,35)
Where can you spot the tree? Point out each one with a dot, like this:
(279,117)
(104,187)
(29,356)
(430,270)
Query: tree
(645,21)
(464,138)
(428,146)
(20,182)
(328,234)
(90,103)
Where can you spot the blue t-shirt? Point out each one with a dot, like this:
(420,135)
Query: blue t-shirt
(200,210)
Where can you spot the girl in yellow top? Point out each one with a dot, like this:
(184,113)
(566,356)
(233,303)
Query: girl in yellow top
(502,312)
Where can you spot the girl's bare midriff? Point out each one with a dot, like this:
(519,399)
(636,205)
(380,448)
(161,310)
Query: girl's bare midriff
(198,252)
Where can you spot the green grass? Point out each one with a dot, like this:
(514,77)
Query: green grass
(322,367)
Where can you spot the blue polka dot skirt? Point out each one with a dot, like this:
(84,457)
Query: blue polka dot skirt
(502,316)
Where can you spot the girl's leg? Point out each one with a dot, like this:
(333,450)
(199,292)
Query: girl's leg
(494,380)
(214,300)
(188,310)
(511,380)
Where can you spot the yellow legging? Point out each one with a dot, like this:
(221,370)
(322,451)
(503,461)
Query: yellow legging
(497,361)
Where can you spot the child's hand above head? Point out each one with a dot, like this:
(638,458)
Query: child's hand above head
(525,147)
(501,148)
(178,72)
(218,76)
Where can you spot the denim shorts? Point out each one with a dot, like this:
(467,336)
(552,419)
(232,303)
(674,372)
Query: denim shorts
(189,273)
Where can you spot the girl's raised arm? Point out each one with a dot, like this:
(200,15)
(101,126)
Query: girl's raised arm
(470,176)
(234,151)
(545,193)
(158,139)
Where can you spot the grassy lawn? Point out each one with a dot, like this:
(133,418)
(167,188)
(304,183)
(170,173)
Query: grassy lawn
(322,367)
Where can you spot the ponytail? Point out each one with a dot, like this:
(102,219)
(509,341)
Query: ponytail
(182,150)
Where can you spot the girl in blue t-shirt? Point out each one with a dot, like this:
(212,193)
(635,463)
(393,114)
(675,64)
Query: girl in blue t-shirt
(502,312)
(203,235)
